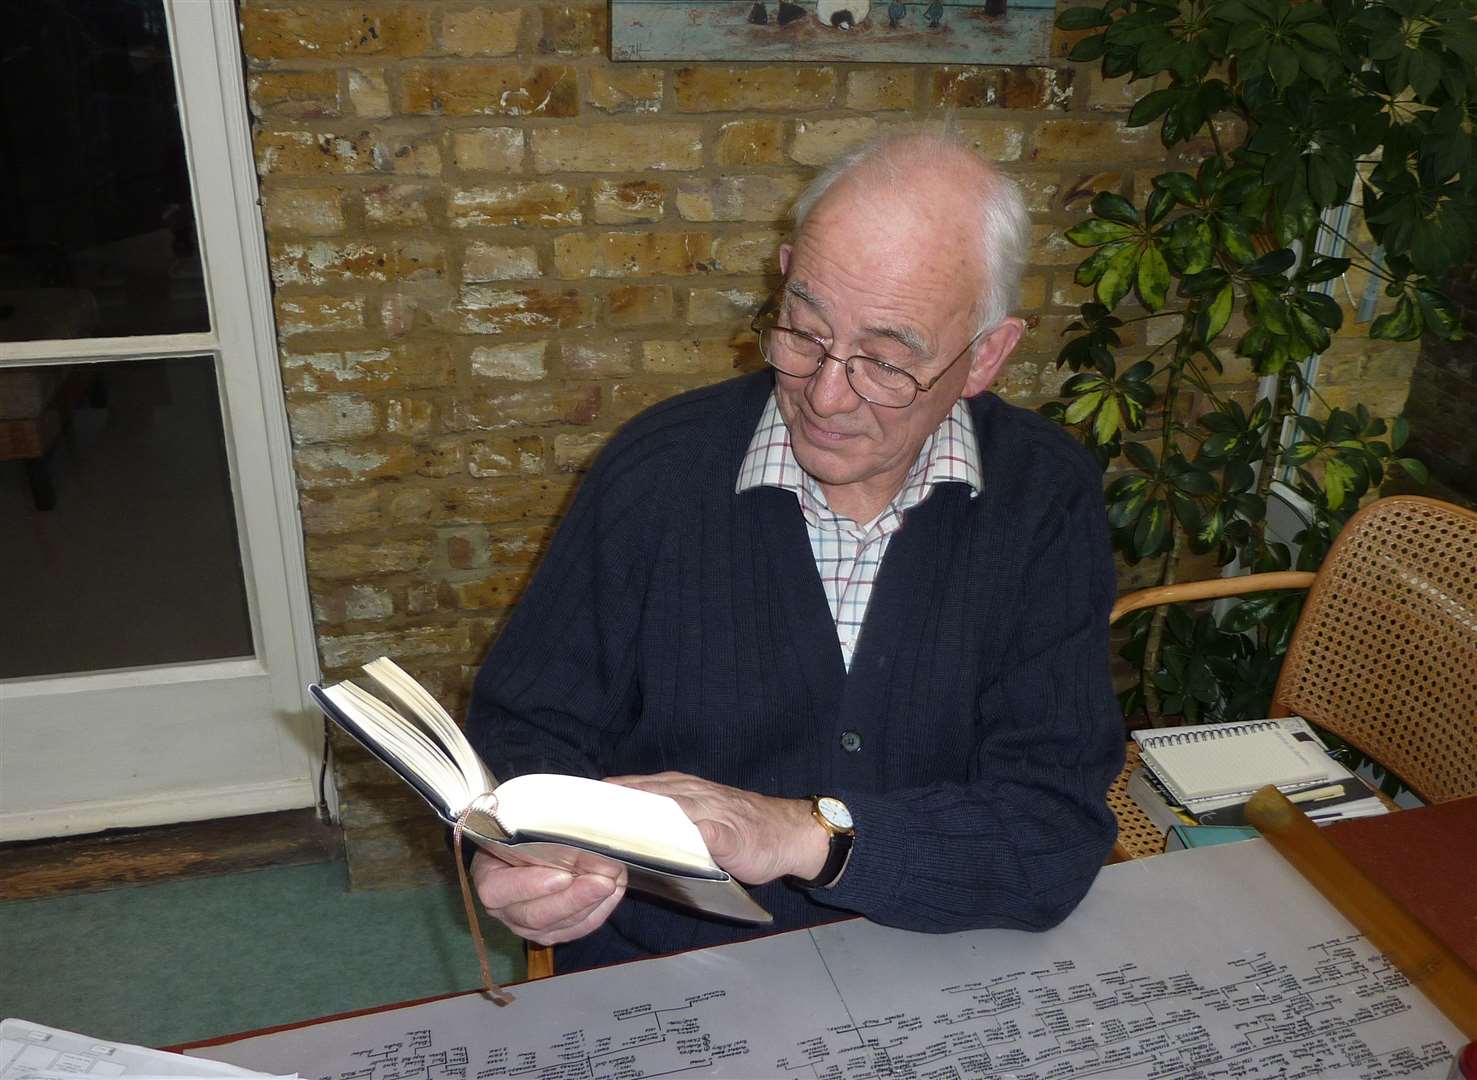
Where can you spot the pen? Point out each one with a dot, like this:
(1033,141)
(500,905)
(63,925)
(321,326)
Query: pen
(1317,794)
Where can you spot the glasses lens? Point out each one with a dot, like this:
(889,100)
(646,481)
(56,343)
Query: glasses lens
(792,353)
(881,383)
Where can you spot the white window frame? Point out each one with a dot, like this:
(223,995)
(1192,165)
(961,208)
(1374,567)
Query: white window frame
(210,88)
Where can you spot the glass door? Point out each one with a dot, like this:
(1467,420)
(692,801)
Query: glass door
(154,628)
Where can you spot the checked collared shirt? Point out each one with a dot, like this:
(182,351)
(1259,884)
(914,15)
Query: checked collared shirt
(848,554)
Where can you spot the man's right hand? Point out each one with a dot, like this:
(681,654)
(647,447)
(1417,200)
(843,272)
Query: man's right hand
(543,904)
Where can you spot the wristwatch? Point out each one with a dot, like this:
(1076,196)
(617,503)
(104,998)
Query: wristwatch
(832,816)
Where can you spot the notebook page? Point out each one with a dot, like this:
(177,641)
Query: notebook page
(1208,762)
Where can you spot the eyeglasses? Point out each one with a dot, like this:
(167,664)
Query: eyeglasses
(797,353)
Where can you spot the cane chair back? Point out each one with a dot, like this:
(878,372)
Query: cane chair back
(1385,651)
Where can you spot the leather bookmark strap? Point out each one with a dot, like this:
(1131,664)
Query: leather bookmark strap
(494,991)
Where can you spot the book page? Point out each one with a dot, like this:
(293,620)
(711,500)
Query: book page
(611,816)
(1209,761)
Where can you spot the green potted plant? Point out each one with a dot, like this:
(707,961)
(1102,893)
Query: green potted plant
(1296,111)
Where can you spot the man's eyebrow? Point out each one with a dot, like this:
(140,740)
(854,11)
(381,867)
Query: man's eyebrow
(906,336)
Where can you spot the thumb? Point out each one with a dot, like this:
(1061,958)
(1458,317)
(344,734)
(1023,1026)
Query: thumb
(722,839)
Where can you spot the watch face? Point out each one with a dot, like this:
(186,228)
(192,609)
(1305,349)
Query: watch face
(834,811)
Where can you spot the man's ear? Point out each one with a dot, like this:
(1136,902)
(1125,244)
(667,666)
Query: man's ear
(785,250)
(990,355)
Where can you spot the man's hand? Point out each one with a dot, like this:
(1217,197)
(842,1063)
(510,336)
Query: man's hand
(543,904)
(756,838)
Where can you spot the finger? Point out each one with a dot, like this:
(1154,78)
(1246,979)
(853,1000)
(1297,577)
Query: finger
(499,885)
(562,909)
(591,922)
(722,839)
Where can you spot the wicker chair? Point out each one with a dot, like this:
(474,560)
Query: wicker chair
(1384,654)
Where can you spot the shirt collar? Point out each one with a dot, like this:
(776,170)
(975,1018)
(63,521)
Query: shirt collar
(950,455)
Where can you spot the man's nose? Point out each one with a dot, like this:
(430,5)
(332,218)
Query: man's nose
(829,391)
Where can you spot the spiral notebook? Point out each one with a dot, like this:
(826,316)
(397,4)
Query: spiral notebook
(1210,761)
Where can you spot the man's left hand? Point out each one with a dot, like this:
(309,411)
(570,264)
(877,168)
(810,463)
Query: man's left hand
(756,838)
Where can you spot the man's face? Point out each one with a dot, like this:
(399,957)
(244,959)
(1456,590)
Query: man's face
(885,279)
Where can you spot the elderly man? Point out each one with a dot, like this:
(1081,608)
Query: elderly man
(850,613)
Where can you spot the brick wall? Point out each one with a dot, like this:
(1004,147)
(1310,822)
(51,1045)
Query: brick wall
(491,246)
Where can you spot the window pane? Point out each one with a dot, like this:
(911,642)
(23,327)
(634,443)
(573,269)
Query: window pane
(118,546)
(97,226)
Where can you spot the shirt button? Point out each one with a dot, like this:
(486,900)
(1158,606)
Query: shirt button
(851,742)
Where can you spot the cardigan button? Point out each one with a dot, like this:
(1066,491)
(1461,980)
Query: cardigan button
(851,742)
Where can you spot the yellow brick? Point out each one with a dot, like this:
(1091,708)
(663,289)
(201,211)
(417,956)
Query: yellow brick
(1116,95)
(574,31)
(522,361)
(617,88)
(318,32)
(332,418)
(305,153)
(399,204)
(481,90)
(615,203)
(964,87)
(337,559)
(494,409)
(319,262)
(302,95)
(409,416)
(1077,195)
(498,590)
(480,32)
(298,314)
(391,368)
(407,155)
(1033,291)
(723,305)
(994,140)
(439,458)
(738,198)
(329,464)
(1050,247)
(575,453)
(760,89)
(751,142)
(369,93)
(876,89)
(692,356)
(1093,141)
(818,142)
(622,254)
(629,398)
(488,149)
(506,456)
(340,510)
(542,203)
(310,211)
(598,359)
(1036,87)
(484,309)
(755,252)
(498,262)
(618,148)
(1039,190)
(638,305)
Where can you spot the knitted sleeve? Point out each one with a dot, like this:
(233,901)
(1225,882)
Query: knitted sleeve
(1019,844)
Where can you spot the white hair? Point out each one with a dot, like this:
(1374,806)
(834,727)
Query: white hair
(1003,228)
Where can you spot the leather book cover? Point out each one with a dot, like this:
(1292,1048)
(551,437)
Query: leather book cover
(1426,859)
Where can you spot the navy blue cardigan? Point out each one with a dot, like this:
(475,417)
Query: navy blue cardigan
(675,624)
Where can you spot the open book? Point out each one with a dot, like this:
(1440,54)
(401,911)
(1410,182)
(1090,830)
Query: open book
(582,825)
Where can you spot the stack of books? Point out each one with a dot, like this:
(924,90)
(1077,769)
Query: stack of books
(1203,775)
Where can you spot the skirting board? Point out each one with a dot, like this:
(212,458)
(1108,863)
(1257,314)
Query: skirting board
(79,818)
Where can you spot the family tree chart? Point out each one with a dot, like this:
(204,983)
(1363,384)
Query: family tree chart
(1207,964)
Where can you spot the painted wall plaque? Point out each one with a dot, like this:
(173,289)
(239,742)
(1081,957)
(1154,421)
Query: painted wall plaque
(877,31)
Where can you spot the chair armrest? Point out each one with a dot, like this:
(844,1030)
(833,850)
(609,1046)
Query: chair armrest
(1212,589)
(540,960)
